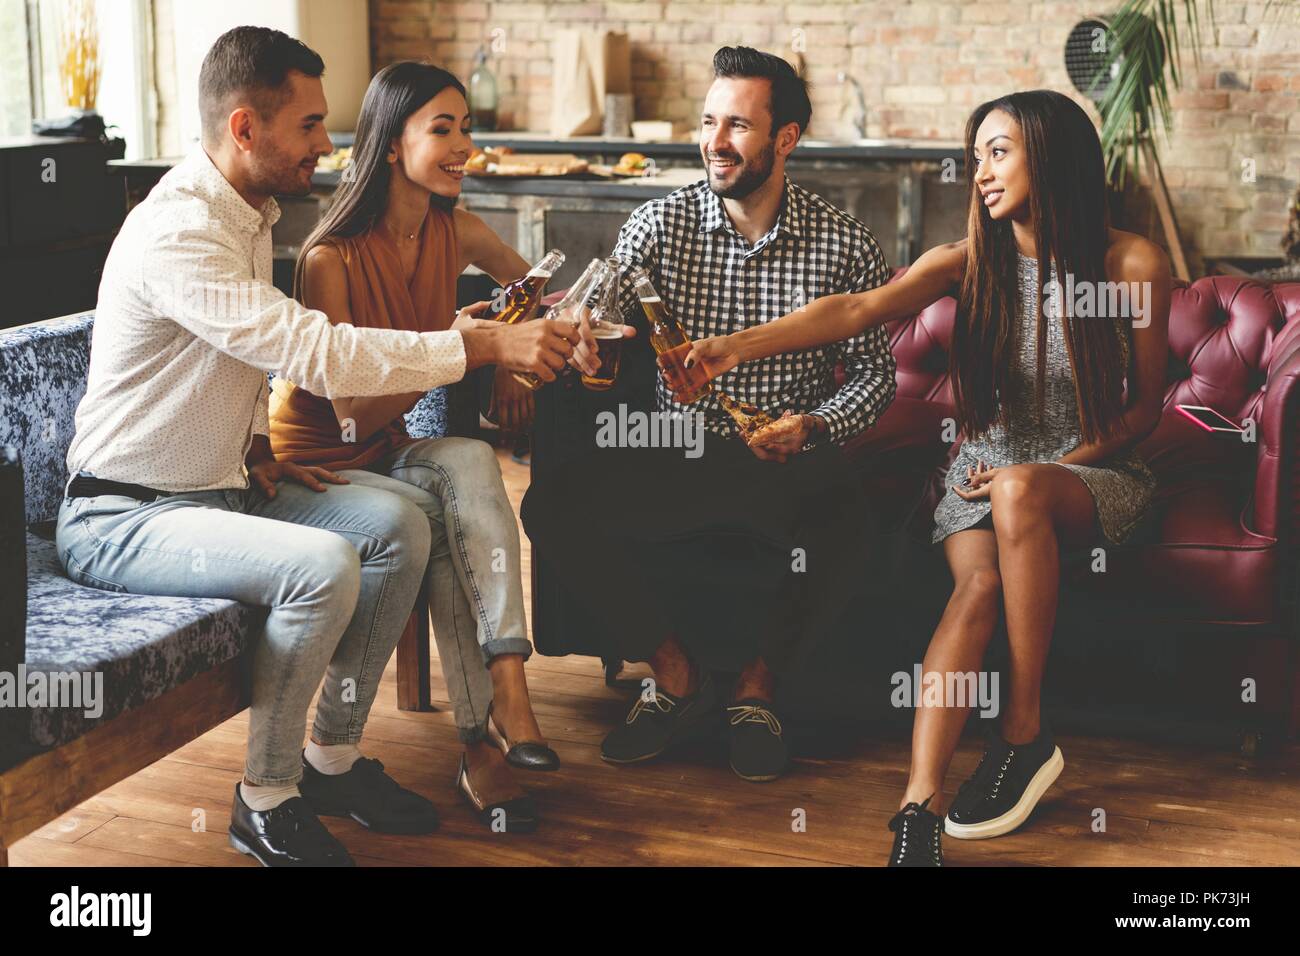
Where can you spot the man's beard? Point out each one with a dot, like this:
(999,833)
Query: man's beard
(279,175)
(753,174)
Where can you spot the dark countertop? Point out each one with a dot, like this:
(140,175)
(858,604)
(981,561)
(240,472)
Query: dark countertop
(583,186)
(641,189)
(813,149)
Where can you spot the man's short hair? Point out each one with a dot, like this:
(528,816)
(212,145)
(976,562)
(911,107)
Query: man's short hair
(251,63)
(789,103)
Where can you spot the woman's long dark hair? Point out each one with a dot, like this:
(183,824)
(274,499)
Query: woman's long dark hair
(1067,203)
(396,91)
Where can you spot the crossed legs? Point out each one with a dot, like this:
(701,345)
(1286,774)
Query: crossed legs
(1037,509)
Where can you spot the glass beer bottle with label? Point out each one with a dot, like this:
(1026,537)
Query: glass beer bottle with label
(568,310)
(670,341)
(519,300)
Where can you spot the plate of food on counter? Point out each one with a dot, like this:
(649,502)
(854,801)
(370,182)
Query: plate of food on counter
(629,166)
(504,161)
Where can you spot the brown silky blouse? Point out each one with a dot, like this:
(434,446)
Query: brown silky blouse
(304,428)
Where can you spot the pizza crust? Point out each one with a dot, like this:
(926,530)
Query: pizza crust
(776,431)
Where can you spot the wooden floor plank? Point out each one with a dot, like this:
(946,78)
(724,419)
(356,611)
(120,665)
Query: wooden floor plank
(1164,805)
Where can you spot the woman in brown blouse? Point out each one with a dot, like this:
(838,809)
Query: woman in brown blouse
(387,255)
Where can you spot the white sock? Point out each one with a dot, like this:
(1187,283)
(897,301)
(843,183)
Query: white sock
(332,759)
(262,799)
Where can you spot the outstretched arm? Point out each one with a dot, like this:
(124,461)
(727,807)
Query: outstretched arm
(834,318)
(512,406)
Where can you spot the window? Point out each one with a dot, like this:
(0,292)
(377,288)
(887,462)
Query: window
(29,68)
(15,70)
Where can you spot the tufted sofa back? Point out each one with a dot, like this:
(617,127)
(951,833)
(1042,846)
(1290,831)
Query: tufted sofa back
(1224,334)
(1232,342)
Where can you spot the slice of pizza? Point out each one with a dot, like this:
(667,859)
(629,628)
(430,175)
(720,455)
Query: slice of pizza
(777,430)
(749,420)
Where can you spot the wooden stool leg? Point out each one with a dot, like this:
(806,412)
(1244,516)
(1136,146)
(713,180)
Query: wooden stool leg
(4,857)
(413,659)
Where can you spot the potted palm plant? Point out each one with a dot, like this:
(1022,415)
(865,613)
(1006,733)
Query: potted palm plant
(1140,56)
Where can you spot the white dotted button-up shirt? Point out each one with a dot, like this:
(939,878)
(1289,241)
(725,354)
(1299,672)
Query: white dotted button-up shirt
(188,324)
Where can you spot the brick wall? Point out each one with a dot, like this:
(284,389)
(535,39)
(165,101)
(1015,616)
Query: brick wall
(922,66)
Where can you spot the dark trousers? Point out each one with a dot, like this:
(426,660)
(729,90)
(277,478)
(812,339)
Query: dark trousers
(654,543)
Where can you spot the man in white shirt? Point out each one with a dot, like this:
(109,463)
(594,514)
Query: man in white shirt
(174,490)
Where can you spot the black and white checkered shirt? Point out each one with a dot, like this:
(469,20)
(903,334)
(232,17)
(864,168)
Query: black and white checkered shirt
(715,282)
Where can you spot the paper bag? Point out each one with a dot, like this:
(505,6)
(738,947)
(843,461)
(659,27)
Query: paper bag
(588,64)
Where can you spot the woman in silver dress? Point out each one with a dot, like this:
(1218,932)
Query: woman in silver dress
(1055,383)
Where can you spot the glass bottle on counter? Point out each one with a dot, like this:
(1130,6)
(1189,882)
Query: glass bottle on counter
(482,95)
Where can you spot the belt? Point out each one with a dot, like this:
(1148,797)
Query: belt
(88,486)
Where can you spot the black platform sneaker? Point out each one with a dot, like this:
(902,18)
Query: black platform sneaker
(918,836)
(1005,787)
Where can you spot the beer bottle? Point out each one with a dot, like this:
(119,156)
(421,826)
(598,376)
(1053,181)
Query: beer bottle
(606,323)
(670,340)
(566,310)
(519,300)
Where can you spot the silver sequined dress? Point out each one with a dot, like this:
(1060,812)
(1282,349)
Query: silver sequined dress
(1121,487)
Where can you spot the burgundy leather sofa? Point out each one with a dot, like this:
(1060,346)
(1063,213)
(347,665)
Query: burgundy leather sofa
(1218,556)
(1203,602)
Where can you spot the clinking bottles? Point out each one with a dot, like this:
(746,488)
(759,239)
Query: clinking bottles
(519,301)
(581,294)
(606,322)
(670,341)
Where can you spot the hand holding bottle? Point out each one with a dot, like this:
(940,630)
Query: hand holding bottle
(705,360)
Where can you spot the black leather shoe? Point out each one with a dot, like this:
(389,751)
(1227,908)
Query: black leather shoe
(288,835)
(368,795)
(526,754)
(505,816)
(653,724)
(758,751)
(918,836)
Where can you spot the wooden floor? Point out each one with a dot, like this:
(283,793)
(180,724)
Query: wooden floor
(1163,805)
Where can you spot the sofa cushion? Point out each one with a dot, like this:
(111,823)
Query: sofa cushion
(1199,563)
(42,379)
(143,645)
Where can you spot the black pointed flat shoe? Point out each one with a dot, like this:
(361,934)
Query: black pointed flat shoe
(527,754)
(518,815)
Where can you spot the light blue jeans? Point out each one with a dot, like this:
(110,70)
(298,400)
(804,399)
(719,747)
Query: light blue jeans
(476,595)
(339,571)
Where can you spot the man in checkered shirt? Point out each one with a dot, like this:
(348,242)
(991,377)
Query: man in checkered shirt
(714,281)
(745,246)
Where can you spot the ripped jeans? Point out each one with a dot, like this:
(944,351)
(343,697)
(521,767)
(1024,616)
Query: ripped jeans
(476,596)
